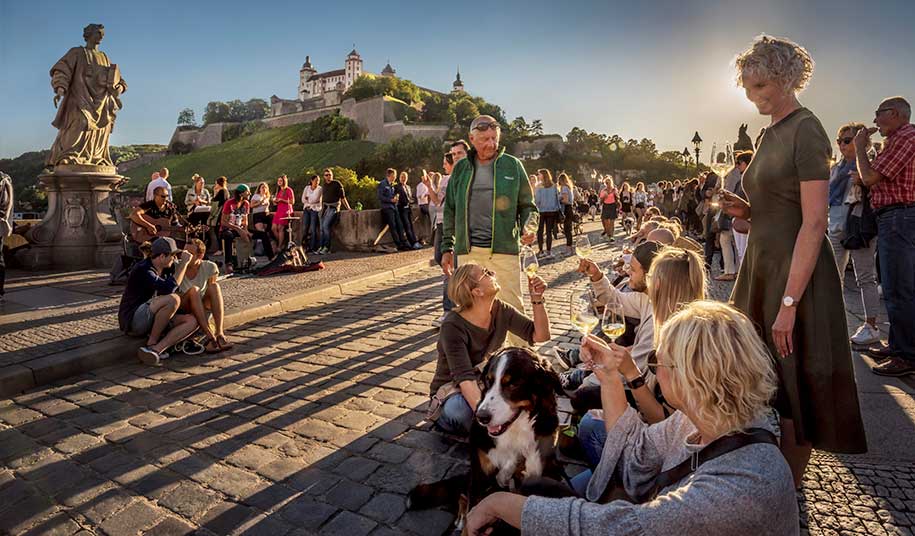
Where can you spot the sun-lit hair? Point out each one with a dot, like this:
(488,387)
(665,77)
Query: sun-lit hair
(199,247)
(546,178)
(720,369)
(640,187)
(565,180)
(460,285)
(778,59)
(625,187)
(852,127)
(676,278)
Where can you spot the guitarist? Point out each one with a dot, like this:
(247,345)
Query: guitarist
(159,208)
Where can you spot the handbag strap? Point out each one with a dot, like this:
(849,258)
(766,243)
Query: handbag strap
(716,448)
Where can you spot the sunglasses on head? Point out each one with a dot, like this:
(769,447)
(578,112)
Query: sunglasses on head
(483,127)
(844,141)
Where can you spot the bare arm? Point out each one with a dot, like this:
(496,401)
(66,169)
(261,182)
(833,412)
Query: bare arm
(869,176)
(814,200)
(138,217)
(536,287)
(651,409)
(471,392)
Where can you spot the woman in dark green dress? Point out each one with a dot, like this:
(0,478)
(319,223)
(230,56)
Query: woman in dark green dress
(788,283)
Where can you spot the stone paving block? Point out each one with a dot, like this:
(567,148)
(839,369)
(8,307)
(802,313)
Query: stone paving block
(251,457)
(348,495)
(105,505)
(385,508)
(78,443)
(59,524)
(356,468)
(313,481)
(424,522)
(230,480)
(263,525)
(270,496)
(189,499)
(225,516)
(281,469)
(27,511)
(171,526)
(306,512)
(348,524)
(389,452)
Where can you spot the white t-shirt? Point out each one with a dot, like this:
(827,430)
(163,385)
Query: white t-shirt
(260,208)
(311,198)
(153,184)
(422,194)
(440,208)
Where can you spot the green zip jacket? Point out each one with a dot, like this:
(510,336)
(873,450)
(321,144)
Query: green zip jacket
(512,204)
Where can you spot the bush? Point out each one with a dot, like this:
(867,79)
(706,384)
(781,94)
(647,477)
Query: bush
(332,127)
(362,190)
(179,147)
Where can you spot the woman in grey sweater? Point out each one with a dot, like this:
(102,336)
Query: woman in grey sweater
(714,369)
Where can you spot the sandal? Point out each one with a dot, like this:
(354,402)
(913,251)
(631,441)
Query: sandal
(224,343)
(210,349)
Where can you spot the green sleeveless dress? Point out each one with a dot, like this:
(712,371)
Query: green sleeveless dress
(817,382)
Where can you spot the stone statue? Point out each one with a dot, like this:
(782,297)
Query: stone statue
(87,87)
(743,140)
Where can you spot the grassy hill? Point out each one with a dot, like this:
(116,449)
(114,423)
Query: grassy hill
(258,157)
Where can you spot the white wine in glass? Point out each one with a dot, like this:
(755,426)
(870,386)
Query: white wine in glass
(613,324)
(583,247)
(529,263)
(580,314)
(532,223)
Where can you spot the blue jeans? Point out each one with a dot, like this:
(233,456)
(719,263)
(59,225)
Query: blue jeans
(311,223)
(328,220)
(592,434)
(447,304)
(456,416)
(896,248)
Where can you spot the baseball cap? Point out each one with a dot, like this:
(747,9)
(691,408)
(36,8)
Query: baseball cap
(164,246)
(646,252)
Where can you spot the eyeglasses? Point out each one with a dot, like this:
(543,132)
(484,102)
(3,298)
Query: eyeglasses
(486,273)
(844,141)
(652,362)
(881,110)
(483,127)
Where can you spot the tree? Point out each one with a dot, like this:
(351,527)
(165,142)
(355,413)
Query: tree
(216,112)
(256,109)
(237,111)
(536,128)
(186,118)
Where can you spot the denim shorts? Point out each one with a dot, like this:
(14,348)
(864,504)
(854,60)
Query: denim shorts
(142,321)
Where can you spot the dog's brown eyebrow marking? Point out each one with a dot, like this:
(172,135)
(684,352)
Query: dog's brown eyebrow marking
(506,378)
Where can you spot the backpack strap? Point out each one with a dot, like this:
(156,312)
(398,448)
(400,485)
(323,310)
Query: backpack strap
(716,448)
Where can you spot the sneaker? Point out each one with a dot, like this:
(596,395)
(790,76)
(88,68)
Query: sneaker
(417,246)
(895,367)
(148,356)
(866,334)
(880,353)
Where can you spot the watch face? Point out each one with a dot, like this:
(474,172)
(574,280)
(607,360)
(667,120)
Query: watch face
(788,301)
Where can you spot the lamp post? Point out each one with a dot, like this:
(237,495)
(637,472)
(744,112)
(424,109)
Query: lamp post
(685,154)
(697,143)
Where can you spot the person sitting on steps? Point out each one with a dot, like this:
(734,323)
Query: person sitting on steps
(149,302)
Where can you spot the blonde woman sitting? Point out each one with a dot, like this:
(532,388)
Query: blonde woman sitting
(712,468)
(201,294)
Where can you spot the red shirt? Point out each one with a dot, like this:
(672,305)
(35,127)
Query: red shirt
(896,162)
(236,209)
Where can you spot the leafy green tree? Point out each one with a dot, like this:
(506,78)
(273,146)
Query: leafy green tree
(237,111)
(256,109)
(216,112)
(186,118)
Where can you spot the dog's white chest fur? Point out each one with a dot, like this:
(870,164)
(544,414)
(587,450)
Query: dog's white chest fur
(518,442)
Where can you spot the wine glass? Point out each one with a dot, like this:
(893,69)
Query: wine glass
(582,246)
(529,263)
(612,323)
(580,313)
(532,223)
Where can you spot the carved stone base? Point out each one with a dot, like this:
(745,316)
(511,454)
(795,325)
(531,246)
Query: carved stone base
(79,230)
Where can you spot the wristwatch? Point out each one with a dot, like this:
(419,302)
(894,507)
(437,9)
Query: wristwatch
(788,301)
(636,382)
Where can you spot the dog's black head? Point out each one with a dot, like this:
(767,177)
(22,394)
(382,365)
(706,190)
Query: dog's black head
(516,380)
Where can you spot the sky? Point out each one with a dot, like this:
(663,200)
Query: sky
(656,69)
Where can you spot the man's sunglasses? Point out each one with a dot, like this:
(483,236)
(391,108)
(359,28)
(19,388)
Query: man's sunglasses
(844,141)
(652,362)
(483,127)
(881,110)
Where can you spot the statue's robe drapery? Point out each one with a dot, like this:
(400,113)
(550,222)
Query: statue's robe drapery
(87,112)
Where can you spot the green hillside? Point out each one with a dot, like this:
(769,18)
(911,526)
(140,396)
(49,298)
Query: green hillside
(261,156)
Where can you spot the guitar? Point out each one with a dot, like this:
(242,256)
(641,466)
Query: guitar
(164,227)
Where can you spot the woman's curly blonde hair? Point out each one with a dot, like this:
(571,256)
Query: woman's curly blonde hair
(776,58)
(721,370)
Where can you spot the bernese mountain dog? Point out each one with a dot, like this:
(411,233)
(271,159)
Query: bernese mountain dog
(512,438)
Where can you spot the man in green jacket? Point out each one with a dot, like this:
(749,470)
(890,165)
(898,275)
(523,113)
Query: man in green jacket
(488,201)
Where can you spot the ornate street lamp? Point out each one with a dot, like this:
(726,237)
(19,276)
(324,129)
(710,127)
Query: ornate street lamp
(697,143)
(685,154)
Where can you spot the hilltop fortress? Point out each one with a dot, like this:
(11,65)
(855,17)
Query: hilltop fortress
(319,94)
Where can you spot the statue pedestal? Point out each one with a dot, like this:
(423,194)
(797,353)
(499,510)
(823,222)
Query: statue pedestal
(79,230)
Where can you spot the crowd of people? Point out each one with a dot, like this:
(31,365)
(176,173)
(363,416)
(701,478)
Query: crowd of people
(700,406)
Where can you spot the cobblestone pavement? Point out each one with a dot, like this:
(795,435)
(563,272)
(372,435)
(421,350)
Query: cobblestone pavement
(89,312)
(312,425)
